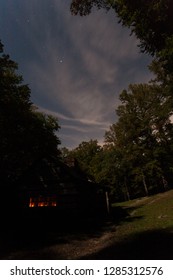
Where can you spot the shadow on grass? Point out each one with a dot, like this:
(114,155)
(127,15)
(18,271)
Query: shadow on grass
(148,245)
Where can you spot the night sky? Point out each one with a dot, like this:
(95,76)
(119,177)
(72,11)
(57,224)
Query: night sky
(76,67)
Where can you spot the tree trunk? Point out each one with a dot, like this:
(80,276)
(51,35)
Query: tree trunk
(145,185)
(165,183)
(126,190)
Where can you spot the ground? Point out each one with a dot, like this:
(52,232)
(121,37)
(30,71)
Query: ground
(139,229)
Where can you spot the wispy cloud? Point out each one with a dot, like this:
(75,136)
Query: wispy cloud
(76,67)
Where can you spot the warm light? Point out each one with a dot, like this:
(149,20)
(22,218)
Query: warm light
(41,204)
(43,201)
(53,203)
(31,204)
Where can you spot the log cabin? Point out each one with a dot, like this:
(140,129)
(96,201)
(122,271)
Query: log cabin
(61,187)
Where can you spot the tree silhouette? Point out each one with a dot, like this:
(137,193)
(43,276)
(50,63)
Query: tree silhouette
(27,135)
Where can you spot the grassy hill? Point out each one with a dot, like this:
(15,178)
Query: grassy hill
(143,229)
(148,213)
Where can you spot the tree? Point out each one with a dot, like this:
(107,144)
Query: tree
(143,135)
(85,154)
(65,152)
(150,21)
(27,135)
(99,165)
(84,7)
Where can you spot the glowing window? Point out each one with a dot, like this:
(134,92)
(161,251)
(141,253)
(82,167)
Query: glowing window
(43,201)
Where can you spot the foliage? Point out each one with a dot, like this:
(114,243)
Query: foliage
(85,154)
(27,135)
(143,136)
(100,165)
(137,156)
(64,152)
(136,159)
(150,21)
(84,7)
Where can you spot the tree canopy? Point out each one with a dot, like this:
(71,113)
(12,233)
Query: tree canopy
(136,159)
(85,154)
(27,135)
(150,20)
(143,136)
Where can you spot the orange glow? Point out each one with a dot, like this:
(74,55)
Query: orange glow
(53,203)
(41,204)
(31,204)
(43,201)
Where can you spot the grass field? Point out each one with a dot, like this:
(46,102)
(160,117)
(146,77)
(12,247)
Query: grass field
(148,213)
(144,229)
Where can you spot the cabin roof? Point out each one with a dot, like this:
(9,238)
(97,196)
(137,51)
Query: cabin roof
(58,178)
